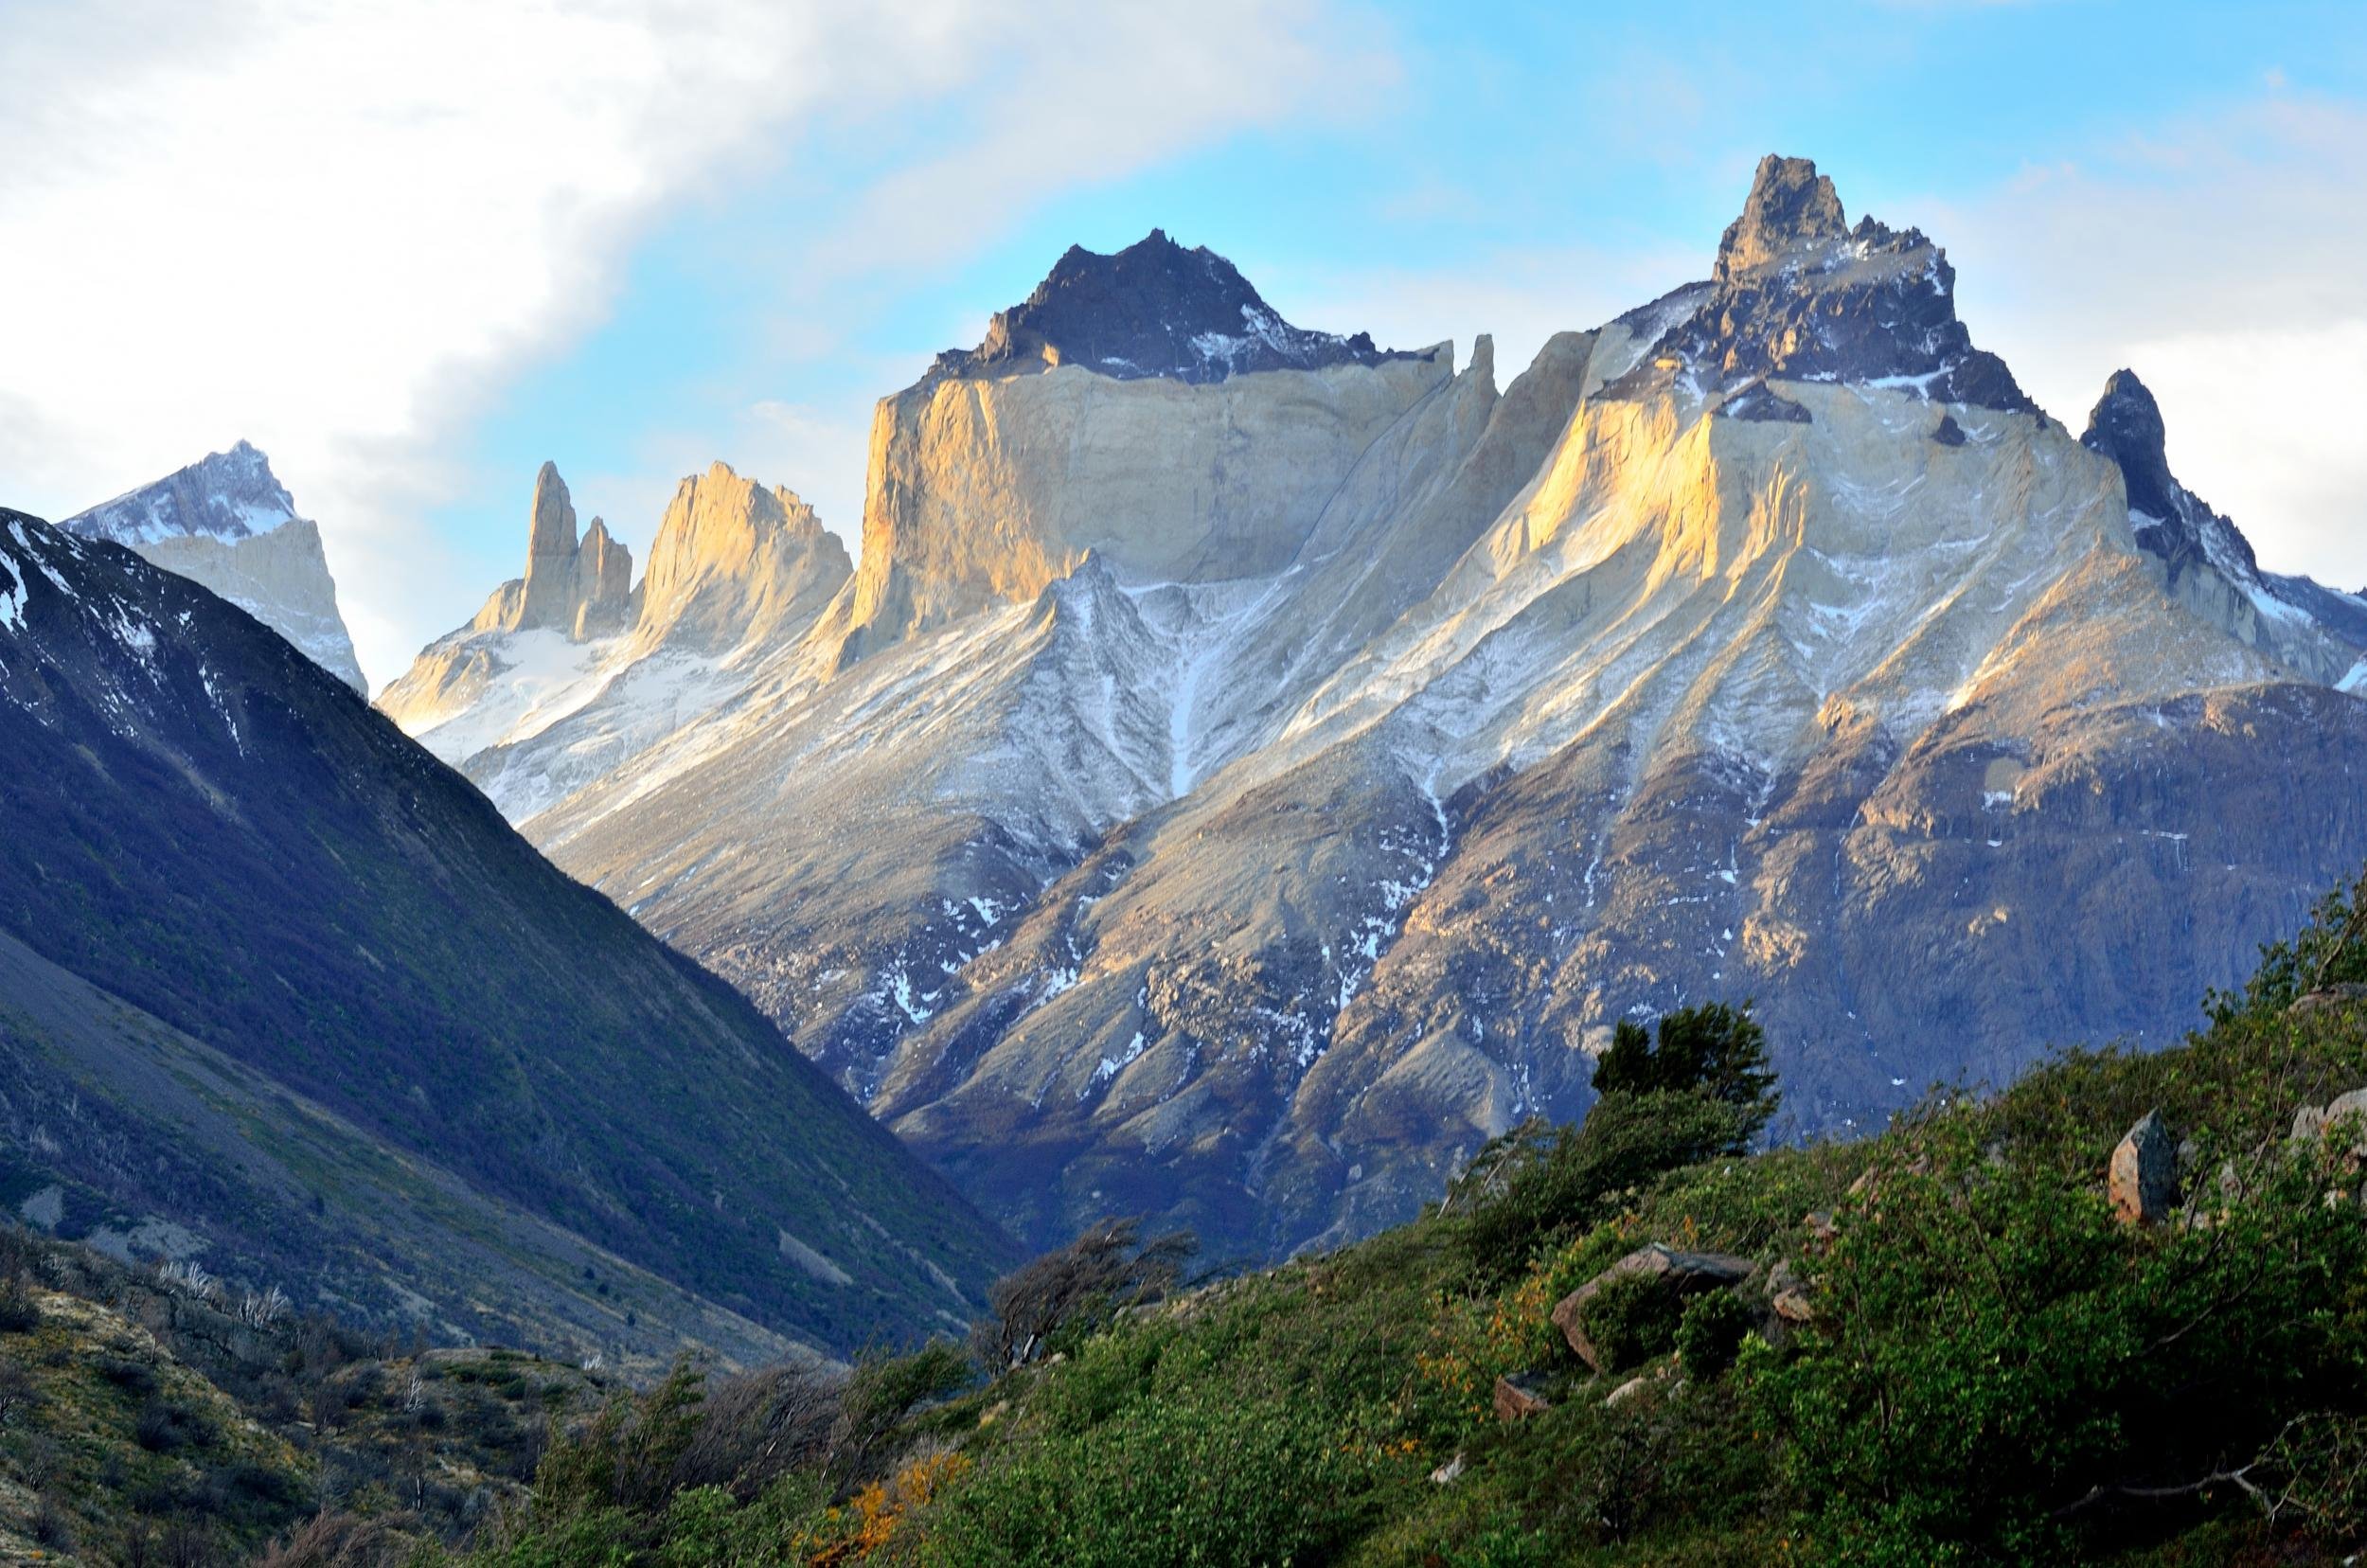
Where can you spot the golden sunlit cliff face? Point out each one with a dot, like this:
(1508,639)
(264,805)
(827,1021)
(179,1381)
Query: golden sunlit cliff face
(983,491)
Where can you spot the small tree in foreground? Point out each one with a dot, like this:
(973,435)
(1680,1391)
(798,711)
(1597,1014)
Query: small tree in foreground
(1102,1272)
(1713,1049)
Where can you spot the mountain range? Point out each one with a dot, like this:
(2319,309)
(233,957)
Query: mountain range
(1246,769)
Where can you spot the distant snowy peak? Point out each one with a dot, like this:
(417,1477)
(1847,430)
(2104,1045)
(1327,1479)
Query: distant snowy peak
(1153,309)
(1798,295)
(228,495)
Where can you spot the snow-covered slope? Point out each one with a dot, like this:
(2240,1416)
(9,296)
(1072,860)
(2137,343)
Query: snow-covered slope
(227,522)
(549,688)
(1237,796)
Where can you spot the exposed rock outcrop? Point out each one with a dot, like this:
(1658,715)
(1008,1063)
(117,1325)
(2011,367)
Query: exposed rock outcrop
(1147,439)
(1153,309)
(582,589)
(1255,875)
(1518,1396)
(2142,1178)
(1679,1273)
(573,669)
(2209,563)
(735,562)
(227,522)
(1797,294)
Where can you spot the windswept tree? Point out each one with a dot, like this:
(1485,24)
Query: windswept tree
(1108,1269)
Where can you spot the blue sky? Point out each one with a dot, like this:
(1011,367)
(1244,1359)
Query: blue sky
(634,272)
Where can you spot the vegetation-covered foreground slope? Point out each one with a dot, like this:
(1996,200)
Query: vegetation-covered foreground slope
(1953,1349)
(201,822)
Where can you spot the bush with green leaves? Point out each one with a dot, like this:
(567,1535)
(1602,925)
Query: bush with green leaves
(1582,1175)
(2002,1371)
(1191,1481)
(1631,1319)
(1710,1333)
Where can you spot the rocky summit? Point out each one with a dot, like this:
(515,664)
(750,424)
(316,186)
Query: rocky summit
(1797,294)
(1153,309)
(1239,797)
(228,523)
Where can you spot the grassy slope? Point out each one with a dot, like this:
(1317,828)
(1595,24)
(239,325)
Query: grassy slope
(1992,1358)
(132,1135)
(203,823)
(1989,1346)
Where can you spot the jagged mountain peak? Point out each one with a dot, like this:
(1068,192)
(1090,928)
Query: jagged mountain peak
(551,523)
(1799,294)
(1153,309)
(226,522)
(2170,520)
(2125,425)
(227,495)
(1790,206)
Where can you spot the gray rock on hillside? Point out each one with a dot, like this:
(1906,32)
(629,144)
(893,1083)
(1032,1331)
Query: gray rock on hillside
(2144,1174)
(1681,1273)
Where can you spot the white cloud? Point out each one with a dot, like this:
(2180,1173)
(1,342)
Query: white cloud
(337,228)
(2218,260)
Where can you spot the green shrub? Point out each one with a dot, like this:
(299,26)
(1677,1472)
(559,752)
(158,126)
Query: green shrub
(1584,1173)
(1999,1370)
(1631,1319)
(1197,1479)
(164,1427)
(1709,1332)
(19,1312)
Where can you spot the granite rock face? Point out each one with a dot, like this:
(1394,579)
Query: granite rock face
(573,669)
(1237,800)
(226,522)
(580,588)
(2209,564)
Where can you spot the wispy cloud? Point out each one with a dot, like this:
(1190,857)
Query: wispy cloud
(2219,258)
(339,229)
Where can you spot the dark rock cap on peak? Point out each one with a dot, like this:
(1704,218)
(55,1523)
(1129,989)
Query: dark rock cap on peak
(228,494)
(1798,295)
(1790,205)
(1152,309)
(2173,522)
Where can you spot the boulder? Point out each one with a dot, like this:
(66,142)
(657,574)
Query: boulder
(1682,1274)
(1787,1295)
(1626,1391)
(2143,1180)
(1519,1396)
(2311,1123)
(2343,993)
